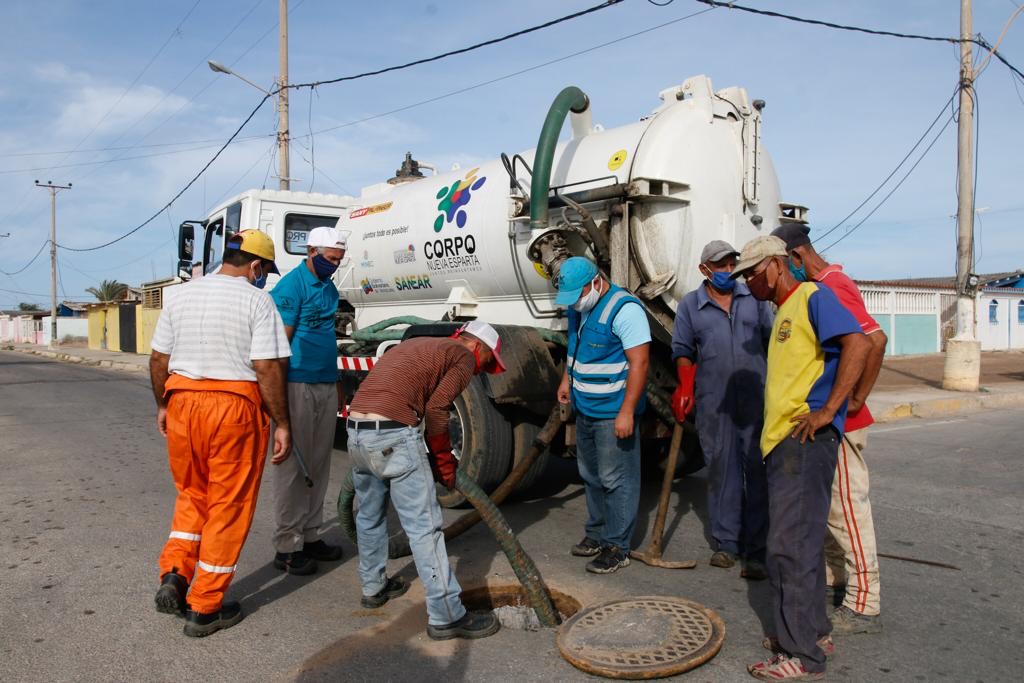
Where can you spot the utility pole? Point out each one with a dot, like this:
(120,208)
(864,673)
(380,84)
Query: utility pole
(54,189)
(963,352)
(283,170)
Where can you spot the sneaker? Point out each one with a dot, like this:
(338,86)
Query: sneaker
(472,625)
(319,550)
(170,597)
(846,622)
(781,667)
(610,559)
(723,559)
(771,643)
(298,563)
(753,571)
(199,625)
(394,587)
(588,547)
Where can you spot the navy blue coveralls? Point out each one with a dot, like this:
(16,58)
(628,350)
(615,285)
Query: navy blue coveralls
(730,351)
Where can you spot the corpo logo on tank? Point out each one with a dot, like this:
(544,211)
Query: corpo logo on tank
(454,198)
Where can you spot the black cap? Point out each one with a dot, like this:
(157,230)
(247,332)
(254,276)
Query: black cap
(793,234)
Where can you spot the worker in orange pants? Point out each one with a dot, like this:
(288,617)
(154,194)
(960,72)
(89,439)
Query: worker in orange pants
(216,439)
(218,369)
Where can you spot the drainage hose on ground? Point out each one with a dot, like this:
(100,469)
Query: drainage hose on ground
(398,545)
(526,571)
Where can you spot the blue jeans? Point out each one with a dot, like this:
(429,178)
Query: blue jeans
(397,458)
(610,468)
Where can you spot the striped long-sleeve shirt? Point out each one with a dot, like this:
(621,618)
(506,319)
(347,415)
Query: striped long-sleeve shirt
(417,380)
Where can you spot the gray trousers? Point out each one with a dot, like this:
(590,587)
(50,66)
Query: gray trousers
(298,509)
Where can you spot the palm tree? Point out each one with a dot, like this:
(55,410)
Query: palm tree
(109,290)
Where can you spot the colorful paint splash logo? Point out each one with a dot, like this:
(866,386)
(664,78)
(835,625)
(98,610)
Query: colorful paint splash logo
(455,197)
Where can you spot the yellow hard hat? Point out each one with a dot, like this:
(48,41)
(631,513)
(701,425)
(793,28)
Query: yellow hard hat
(256,243)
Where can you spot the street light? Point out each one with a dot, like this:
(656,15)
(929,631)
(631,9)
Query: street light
(220,68)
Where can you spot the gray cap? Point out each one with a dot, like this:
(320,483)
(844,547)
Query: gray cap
(716,250)
(793,234)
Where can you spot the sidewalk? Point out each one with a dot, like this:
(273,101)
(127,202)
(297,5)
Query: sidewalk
(908,386)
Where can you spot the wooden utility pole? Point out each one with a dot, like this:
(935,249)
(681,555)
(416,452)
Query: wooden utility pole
(963,352)
(283,166)
(54,189)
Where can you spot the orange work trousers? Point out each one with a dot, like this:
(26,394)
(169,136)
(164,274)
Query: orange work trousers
(217,435)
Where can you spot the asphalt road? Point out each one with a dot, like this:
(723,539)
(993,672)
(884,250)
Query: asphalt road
(86,497)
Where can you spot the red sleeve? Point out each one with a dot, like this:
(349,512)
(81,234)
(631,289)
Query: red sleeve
(849,296)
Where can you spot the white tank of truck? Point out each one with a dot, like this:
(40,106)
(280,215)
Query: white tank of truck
(487,241)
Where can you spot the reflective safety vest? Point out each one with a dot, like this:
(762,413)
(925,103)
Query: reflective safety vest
(597,363)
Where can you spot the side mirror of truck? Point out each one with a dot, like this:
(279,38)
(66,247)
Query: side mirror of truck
(186,242)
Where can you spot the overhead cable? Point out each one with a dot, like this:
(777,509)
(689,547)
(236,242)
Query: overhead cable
(33,260)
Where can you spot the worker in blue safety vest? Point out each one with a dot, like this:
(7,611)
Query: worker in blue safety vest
(604,378)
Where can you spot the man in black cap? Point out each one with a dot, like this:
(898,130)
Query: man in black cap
(850,555)
(720,346)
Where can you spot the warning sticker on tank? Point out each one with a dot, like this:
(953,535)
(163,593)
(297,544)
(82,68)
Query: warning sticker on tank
(368,210)
(617,160)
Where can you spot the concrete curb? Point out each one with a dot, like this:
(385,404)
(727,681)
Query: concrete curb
(926,404)
(81,360)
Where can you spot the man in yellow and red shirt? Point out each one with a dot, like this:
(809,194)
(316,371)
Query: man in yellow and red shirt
(850,554)
(816,353)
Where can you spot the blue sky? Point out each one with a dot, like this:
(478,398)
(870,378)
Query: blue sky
(843,109)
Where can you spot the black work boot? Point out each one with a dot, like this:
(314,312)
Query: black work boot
(170,597)
(471,625)
(298,563)
(199,625)
(394,587)
(319,550)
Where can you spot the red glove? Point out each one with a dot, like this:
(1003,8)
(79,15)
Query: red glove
(682,398)
(442,460)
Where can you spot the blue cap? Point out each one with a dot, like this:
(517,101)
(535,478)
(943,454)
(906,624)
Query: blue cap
(574,275)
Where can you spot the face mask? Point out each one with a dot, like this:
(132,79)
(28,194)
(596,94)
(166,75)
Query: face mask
(588,300)
(323,268)
(261,281)
(722,281)
(799,273)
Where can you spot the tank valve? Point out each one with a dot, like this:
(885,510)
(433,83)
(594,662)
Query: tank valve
(756,219)
(759,104)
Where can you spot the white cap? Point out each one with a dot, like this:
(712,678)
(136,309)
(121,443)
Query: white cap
(326,237)
(488,335)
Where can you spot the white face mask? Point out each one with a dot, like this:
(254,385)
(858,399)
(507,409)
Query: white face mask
(588,300)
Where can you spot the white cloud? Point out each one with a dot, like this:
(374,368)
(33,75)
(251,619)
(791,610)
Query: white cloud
(106,109)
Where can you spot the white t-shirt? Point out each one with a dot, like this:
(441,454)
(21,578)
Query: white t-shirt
(214,327)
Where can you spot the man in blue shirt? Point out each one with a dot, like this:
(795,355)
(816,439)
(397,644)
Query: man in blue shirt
(307,301)
(720,346)
(605,374)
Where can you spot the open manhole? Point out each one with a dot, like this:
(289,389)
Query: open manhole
(510,605)
(646,637)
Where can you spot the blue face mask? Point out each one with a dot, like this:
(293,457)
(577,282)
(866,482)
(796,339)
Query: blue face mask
(722,281)
(261,281)
(799,273)
(323,268)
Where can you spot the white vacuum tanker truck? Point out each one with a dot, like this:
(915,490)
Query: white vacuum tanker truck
(426,251)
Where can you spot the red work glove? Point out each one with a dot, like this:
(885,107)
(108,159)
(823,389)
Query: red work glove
(682,398)
(442,460)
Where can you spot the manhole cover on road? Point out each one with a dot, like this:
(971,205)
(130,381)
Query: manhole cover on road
(645,637)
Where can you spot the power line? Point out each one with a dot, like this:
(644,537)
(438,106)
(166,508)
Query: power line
(463,50)
(907,156)
(860,29)
(896,187)
(33,260)
(182,191)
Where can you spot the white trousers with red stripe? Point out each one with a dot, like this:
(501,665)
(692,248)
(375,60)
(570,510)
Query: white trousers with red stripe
(850,554)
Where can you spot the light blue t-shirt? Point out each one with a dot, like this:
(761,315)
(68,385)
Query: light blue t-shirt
(308,304)
(629,325)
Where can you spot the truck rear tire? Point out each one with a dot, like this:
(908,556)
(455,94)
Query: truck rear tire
(483,437)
